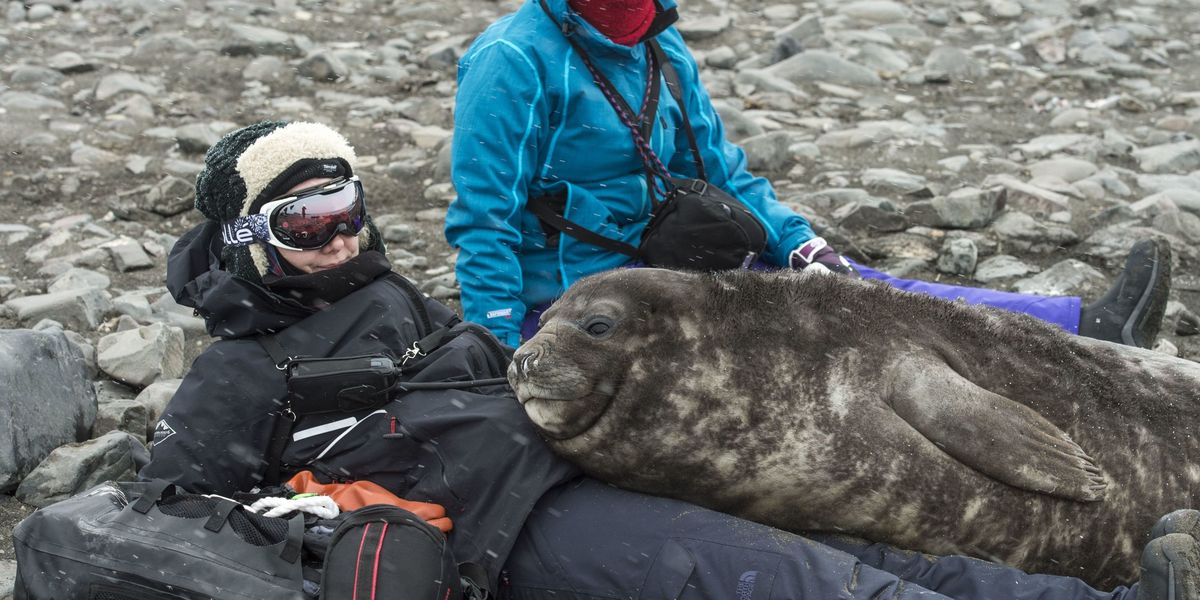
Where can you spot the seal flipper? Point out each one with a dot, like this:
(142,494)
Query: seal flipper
(994,435)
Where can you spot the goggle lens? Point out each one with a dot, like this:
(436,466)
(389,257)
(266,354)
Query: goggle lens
(312,220)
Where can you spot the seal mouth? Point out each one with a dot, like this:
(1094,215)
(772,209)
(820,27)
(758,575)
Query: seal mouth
(581,413)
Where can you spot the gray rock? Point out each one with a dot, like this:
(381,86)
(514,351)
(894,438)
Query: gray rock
(802,32)
(46,401)
(170,196)
(872,214)
(1071,118)
(1174,157)
(155,398)
(1112,243)
(249,39)
(883,59)
(15,12)
(1185,226)
(111,391)
(76,278)
(721,58)
(1049,144)
(1066,278)
(894,180)
(142,356)
(703,28)
(114,84)
(875,11)
(83,155)
(8,578)
(768,152)
(818,65)
(39,12)
(1162,183)
(966,208)
(128,255)
(1002,266)
(32,77)
(958,257)
(80,310)
(1030,198)
(128,416)
(267,69)
(168,310)
(1005,9)
(134,106)
(1067,169)
(196,138)
(1169,200)
(737,125)
(73,468)
(1020,227)
(29,101)
(954,63)
(155,48)
(133,305)
(443,54)
(323,65)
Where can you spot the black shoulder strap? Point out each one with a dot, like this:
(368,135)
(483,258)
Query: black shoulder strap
(541,207)
(675,87)
(284,420)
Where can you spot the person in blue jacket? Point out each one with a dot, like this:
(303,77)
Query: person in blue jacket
(530,122)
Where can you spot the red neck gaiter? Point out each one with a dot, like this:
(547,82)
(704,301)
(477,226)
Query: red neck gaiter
(622,21)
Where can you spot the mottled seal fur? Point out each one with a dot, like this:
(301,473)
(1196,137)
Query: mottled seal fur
(826,403)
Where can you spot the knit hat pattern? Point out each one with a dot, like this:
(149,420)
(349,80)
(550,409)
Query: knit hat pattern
(257,163)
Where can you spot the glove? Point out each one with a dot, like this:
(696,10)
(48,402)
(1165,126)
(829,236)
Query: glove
(816,255)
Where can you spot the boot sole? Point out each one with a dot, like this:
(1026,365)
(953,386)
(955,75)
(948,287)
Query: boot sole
(1159,288)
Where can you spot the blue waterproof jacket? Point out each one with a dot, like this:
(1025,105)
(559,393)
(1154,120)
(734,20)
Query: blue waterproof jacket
(530,121)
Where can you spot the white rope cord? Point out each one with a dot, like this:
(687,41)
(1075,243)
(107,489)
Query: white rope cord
(321,506)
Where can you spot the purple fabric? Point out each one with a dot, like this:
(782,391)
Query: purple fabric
(1059,310)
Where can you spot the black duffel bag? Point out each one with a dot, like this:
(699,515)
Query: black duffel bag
(149,541)
(695,225)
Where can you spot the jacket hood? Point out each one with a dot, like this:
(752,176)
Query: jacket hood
(231,307)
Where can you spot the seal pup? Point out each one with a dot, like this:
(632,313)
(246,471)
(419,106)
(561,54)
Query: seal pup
(825,403)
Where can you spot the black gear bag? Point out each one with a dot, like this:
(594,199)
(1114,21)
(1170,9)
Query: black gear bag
(150,541)
(145,541)
(695,226)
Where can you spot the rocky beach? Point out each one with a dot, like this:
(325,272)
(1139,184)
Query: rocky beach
(1017,145)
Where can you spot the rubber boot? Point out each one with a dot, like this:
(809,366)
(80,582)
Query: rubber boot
(1131,312)
(1170,568)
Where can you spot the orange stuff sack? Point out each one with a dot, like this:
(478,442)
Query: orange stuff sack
(357,494)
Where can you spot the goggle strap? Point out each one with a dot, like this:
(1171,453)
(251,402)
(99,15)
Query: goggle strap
(245,230)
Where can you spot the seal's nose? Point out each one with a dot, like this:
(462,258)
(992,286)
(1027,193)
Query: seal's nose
(526,359)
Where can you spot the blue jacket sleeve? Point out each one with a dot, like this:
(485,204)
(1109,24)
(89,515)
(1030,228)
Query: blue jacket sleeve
(498,118)
(725,163)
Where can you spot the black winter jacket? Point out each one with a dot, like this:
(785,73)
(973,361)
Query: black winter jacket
(472,451)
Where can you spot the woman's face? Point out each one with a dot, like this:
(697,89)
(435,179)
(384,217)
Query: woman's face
(342,248)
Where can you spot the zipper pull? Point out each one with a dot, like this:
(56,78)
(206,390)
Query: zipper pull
(392,435)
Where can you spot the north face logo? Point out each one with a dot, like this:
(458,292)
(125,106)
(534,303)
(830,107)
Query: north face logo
(162,431)
(745,587)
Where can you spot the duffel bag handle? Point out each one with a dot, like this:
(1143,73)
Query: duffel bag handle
(156,489)
(151,496)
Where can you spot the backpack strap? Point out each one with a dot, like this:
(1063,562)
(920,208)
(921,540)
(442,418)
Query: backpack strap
(675,86)
(284,420)
(540,207)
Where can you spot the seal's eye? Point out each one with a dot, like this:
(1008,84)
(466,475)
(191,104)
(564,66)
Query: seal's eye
(598,326)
